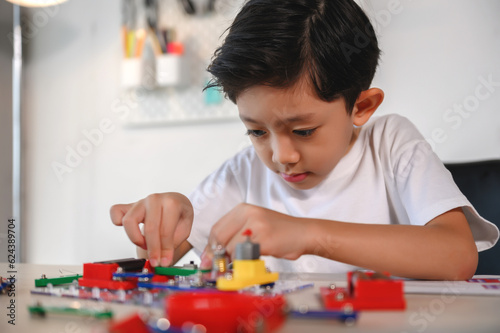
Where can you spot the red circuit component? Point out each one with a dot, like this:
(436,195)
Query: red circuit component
(161,278)
(147,265)
(366,291)
(101,276)
(156,277)
(131,324)
(221,312)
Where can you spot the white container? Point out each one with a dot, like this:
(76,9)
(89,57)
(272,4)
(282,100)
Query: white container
(171,70)
(131,72)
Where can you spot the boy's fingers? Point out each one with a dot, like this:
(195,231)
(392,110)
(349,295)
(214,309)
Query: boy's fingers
(222,230)
(152,222)
(117,212)
(206,258)
(231,245)
(131,220)
(170,218)
(227,227)
(162,216)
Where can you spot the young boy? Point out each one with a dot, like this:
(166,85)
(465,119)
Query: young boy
(324,187)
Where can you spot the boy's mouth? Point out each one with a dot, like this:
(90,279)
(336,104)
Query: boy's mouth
(294,178)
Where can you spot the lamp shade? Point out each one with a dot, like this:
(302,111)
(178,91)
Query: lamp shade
(36,3)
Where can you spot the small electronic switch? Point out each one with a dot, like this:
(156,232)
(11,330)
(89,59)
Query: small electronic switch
(248,269)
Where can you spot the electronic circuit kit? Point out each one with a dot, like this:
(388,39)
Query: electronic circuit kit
(247,296)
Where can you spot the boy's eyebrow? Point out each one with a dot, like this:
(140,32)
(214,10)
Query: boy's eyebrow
(293,119)
(298,118)
(248,119)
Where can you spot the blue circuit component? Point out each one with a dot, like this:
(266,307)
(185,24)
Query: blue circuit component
(139,275)
(345,316)
(168,286)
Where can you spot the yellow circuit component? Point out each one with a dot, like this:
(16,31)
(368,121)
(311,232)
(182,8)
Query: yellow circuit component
(246,273)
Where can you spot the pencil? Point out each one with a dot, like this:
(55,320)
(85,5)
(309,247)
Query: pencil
(140,36)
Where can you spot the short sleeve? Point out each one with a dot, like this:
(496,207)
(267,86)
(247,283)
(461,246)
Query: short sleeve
(427,189)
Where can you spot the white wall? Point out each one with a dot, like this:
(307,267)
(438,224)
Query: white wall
(72,82)
(436,57)
(434,53)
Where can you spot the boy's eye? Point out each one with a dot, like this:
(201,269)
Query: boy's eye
(255,133)
(305,133)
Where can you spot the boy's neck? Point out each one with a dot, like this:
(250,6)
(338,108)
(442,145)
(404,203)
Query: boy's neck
(354,137)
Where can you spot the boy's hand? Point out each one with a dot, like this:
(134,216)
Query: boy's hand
(167,219)
(279,235)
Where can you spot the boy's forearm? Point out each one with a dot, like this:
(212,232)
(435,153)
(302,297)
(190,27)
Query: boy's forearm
(424,252)
(181,250)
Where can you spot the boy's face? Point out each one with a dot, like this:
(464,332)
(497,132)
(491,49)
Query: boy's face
(296,134)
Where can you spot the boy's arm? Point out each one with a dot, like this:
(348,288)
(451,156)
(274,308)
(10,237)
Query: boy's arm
(443,249)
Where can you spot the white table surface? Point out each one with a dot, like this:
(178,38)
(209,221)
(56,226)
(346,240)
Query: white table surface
(437,313)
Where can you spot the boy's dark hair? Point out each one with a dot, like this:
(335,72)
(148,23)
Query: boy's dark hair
(275,42)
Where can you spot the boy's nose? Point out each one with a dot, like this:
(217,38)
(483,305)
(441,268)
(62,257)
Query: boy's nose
(284,152)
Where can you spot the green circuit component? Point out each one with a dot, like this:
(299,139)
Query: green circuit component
(44,281)
(42,311)
(179,271)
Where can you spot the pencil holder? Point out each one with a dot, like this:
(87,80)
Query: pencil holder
(131,72)
(171,70)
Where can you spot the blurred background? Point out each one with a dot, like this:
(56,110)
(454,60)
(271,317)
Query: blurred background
(112,107)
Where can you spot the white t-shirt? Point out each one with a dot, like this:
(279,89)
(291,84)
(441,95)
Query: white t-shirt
(389,176)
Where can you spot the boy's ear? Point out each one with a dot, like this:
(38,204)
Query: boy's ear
(366,104)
